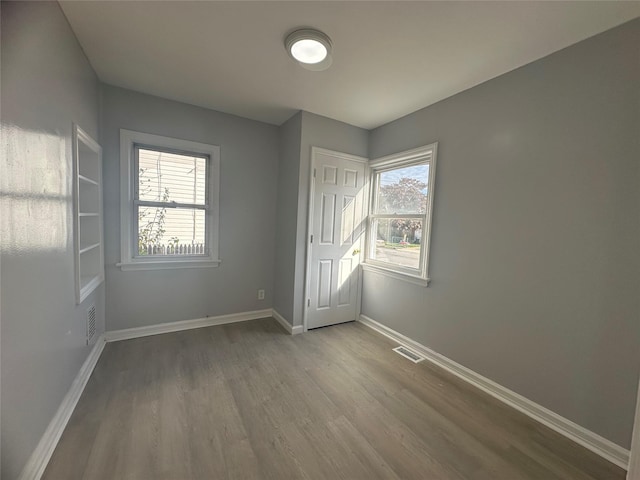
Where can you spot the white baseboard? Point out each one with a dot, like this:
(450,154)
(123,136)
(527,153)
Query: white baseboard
(588,439)
(40,457)
(157,329)
(634,461)
(286,325)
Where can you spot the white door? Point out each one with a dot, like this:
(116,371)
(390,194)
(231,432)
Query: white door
(336,237)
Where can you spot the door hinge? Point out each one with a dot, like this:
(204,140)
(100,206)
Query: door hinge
(311,241)
(314,173)
(308,302)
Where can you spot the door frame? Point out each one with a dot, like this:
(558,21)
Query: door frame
(633,472)
(312,188)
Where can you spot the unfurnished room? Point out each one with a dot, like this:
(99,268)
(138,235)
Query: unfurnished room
(320,240)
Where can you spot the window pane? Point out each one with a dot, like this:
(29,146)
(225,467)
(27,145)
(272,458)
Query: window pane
(163,231)
(403,190)
(169,177)
(398,241)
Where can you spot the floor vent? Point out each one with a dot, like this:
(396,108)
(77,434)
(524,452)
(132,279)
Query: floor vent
(406,353)
(91,324)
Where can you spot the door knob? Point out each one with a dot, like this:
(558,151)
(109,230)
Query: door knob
(356,251)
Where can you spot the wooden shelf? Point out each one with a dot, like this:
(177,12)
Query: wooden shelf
(84,179)
(89,248)
(88,284)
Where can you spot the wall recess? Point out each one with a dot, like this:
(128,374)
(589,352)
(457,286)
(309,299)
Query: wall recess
(88,242)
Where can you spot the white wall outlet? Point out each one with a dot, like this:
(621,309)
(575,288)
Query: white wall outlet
(261,294)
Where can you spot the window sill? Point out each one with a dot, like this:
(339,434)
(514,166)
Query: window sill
(167,265)
(405,277)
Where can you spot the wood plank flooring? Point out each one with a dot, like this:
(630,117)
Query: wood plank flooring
(248,401)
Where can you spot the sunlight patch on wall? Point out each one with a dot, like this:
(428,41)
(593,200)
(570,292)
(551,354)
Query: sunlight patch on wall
(35,192)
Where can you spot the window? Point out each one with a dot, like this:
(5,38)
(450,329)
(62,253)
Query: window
(400,218)
(169,202)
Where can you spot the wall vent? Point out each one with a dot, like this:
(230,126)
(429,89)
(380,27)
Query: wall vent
(91,324)
(405,352)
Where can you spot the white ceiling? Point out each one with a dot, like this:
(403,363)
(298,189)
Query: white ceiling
(389,58)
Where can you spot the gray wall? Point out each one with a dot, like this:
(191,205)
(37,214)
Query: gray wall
(47,84)
(318,131)
(534,260)
(287,211)
(249,157)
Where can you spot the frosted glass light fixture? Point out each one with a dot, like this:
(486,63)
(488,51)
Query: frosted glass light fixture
(310,48)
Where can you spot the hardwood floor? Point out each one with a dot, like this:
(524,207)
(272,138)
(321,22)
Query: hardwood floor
(248,401)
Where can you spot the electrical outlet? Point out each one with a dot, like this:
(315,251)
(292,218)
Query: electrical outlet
(261,294)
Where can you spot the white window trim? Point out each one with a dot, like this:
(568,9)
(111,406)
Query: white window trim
(128,139)
(426,154)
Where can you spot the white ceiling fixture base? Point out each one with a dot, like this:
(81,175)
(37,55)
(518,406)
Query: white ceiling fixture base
(310,48)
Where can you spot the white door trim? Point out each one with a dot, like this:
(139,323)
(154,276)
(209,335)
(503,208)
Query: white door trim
(634,456)
(312,187)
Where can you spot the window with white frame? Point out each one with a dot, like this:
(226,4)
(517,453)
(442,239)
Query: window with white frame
(400,215)
(169,202)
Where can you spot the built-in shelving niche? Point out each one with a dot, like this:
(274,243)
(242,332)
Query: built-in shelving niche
(88,242)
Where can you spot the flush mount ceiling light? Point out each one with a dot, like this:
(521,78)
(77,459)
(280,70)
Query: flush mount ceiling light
(310,48)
